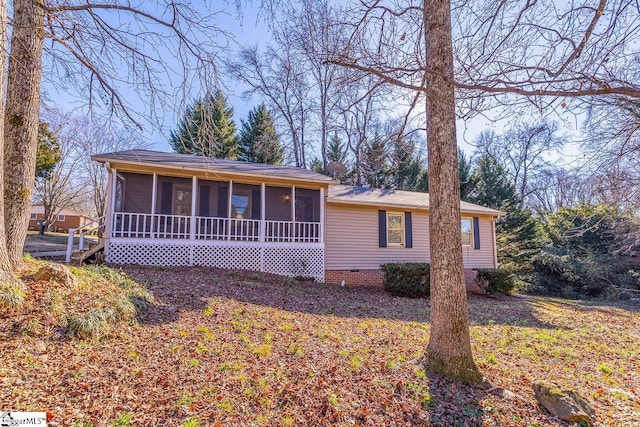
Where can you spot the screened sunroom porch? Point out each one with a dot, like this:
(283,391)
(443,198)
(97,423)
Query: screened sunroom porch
(154,206)
(171,209)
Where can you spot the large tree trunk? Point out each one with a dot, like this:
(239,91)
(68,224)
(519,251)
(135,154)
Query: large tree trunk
(21,121)
(6,271)
(449,348)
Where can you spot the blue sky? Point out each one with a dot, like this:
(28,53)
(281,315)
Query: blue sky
(247,30)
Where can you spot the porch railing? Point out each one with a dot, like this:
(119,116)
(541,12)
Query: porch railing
(161,226)
(146,226)
(289,231)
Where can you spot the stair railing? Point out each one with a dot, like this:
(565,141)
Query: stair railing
(84,231)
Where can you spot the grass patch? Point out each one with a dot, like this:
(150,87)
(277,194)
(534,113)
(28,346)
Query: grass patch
(12,296)
(105,297)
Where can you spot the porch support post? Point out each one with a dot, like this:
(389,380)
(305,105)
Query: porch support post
(154,195)
(292,232)
(263,199)
(108,216)
(194,198)
(192,221)
(321,236)
(229,209)
(111,207)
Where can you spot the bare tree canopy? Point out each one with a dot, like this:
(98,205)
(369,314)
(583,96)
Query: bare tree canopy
(112,54)
(535,49)
(123,55)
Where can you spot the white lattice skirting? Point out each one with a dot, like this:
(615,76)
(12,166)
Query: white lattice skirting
(299,260)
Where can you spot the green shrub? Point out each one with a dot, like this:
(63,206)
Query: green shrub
(496,281)
(406,279)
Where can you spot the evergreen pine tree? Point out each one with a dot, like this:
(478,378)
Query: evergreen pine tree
(375,168)
(465,169)
(518,233)
(406,167)
(316,166)
(336,150)
(207,129)
(49,152)
(259,141)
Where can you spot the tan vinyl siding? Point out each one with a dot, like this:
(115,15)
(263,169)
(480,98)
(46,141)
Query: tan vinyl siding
(352,239)
(483,257)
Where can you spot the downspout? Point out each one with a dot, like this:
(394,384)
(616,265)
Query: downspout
(495,247)
(111,185)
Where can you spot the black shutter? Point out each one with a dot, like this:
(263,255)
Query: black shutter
(408,239)
(166,198)
(223,199)
(204,201)
(382,229)
(255,204)
(476,233)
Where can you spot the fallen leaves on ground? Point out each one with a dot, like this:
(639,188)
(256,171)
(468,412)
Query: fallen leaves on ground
(228,348)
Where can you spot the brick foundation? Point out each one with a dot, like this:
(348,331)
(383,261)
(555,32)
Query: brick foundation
(376,277)
(355,277)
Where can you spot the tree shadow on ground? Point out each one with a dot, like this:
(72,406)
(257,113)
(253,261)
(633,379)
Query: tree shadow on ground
(178,289)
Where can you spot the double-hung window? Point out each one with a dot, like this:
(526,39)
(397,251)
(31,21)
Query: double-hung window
(466,225)
(395,229)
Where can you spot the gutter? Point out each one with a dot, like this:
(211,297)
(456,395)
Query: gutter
(495,214)
(108,161)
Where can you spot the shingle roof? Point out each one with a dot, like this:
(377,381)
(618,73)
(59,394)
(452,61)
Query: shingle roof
(199,163)
(393,198)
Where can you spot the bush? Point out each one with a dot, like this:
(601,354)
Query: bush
(496,281)
(406,279)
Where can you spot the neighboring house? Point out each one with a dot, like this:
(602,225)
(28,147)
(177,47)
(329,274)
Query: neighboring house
(66,219)
(175,209)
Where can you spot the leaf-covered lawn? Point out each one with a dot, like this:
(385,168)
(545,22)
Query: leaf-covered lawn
(237,348)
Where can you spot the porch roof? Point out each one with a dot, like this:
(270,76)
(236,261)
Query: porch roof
(394,198)
(192,163)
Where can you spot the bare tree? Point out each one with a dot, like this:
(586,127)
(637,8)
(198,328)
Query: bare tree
(361,105)
(276,77)
(612,147)
(520,54)
(96,137)
(522,150)
(312,34)
(91,55)
(556,187)
(76,181)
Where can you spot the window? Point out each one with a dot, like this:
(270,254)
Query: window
(60,218)
(181,200)
(119,199)
(467,231)
(307,205)
(395,229)
(240,204)
(245,201)
(33,216)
